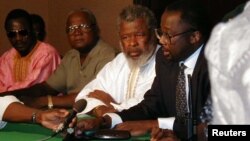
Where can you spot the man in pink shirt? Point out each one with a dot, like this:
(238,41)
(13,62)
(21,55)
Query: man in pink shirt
(29,61)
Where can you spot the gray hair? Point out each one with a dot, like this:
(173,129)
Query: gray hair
(133,12)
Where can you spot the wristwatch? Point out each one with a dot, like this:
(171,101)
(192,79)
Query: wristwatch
(33,117)
(50,103)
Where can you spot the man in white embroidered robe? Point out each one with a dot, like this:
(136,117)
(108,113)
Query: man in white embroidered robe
(123,82)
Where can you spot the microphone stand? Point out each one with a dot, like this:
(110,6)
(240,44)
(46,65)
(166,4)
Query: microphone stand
(191,115)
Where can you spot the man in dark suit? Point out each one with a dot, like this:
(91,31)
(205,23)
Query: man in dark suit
(184,31)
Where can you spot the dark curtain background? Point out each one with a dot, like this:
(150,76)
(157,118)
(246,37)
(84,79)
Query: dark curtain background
(215,8)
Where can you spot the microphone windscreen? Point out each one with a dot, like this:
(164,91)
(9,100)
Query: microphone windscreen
(80,105)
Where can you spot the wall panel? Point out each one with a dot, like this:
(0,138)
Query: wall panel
(55,12)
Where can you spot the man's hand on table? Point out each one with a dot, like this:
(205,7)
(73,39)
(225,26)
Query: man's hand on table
(51,118)
(137,128)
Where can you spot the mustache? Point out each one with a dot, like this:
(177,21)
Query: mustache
(135,49)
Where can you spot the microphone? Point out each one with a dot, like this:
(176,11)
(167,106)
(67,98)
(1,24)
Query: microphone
(79,106)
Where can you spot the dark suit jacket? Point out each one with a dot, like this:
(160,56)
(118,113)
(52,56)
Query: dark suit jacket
(159,101)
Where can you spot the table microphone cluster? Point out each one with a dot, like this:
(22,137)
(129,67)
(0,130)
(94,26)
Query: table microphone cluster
(102,134)
(79,106)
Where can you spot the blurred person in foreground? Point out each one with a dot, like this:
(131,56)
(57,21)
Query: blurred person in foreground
(183,34)
(79,65)
(29,61)
(228,54)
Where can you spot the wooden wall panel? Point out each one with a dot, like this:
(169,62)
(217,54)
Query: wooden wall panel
(55,12)
(33,6)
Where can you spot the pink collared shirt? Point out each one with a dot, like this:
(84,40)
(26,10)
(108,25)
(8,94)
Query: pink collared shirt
(19,72)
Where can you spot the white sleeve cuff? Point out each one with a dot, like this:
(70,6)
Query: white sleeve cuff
(5,102)
(2,124)
(166,123)
(115,119)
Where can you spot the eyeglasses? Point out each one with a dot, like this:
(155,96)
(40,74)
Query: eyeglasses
(83,27)
(13,33)
(159,34)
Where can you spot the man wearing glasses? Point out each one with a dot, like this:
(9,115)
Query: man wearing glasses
(184,31)
(79,65)
(29,61)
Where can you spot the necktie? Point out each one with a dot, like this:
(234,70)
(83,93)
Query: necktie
(181,100)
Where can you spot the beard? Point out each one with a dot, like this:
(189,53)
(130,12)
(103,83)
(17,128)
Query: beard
(142,59)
